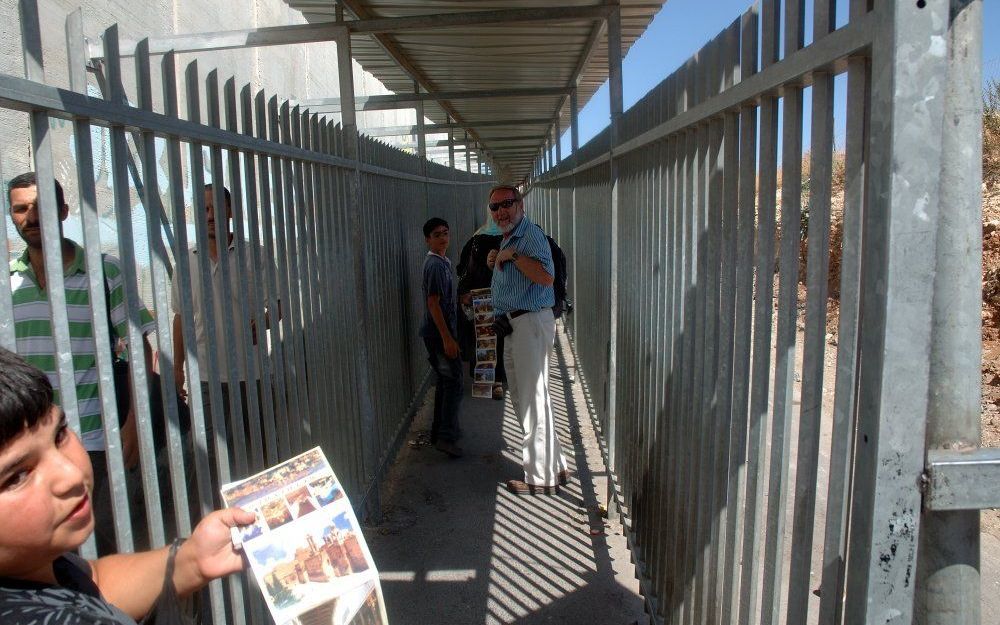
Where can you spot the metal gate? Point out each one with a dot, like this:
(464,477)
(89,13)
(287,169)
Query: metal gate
(747,501)
(327,230)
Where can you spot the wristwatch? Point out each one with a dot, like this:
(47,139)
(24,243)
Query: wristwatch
(513,257)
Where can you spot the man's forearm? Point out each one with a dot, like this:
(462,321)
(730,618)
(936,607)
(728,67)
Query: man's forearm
(534,270)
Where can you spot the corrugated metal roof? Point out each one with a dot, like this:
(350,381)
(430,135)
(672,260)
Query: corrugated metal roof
(498,56)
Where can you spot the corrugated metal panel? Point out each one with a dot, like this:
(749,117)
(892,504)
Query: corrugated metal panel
(492,56)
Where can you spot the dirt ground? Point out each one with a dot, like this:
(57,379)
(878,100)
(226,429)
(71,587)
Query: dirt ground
(991,333)
(990,312)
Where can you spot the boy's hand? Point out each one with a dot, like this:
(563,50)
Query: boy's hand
(450,348)
(209,553)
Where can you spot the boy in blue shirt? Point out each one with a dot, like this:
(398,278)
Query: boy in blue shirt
(439,330)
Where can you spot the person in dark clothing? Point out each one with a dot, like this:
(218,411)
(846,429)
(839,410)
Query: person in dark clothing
(475,271)
(46,483)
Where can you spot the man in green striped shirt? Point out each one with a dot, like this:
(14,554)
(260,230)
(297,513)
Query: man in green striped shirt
(33,323)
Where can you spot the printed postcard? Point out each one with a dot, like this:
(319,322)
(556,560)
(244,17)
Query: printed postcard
(482,391)
(306,548)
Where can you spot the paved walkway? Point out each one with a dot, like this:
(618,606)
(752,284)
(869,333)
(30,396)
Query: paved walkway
(455,548)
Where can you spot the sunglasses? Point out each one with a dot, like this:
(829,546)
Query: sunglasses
(495,206)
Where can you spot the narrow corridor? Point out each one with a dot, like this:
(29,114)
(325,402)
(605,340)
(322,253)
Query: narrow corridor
(455,547)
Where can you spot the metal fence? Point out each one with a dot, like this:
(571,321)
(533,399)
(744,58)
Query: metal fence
(329,250)
(753,488)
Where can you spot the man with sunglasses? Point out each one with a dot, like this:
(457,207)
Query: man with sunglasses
(523,294)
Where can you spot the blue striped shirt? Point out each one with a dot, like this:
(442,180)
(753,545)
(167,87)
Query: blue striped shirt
(512,290)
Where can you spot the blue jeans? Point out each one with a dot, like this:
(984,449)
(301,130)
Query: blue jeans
(448,393)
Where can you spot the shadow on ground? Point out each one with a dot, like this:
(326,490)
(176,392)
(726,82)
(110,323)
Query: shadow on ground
(454,547)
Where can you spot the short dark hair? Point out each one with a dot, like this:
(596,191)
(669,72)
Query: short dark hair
(25,396)
(511,188)
(225,192)
(29,179)
(432,224)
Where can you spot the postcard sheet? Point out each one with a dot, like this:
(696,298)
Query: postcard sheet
(306,549)
(486,344)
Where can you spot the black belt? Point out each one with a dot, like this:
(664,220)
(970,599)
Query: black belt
(514,314)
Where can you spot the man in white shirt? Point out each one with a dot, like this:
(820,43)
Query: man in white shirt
(225,330)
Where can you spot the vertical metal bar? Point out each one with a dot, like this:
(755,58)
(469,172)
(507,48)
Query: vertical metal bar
(77,59)
(284,221)
(451,145)
(842,437)
(220,431)
(468,152)
(158,269)
(309,223)
(558,129)
(736,520)
(364,374)
(41,145)
(784,367)
(246,323)
(182,275)
(615,95)
(226,342)
(665,473)
(764,265)
(820,191)
(266,165)
(907,117)
(948,579)
(123,220)
(279,198)
(303,295)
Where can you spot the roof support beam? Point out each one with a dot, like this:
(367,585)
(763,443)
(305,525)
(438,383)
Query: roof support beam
(431,129)
(408,100)
(479,18)
(328,31)
(230,39)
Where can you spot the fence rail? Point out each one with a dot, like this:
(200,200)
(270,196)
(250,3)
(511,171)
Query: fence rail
(322,302)
(766,472)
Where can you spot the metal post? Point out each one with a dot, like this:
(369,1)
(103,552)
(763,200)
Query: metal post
(468,152)
(907,115)
(948,567)
(558,131)
(370,453)
(574,134)
(451,146)
(616,97)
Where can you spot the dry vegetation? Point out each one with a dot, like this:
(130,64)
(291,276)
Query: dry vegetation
(991,264)
(990,271)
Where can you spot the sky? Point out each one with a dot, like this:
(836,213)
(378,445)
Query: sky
(683,26)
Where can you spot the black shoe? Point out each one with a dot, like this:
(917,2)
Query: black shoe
(449,448)
(563,478)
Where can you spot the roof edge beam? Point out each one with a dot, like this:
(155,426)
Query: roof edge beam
(430,129)
(407,100)
(475,18)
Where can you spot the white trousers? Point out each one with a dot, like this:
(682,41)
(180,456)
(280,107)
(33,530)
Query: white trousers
(526,357)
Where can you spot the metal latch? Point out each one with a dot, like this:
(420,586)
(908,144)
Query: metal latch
(962,480)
